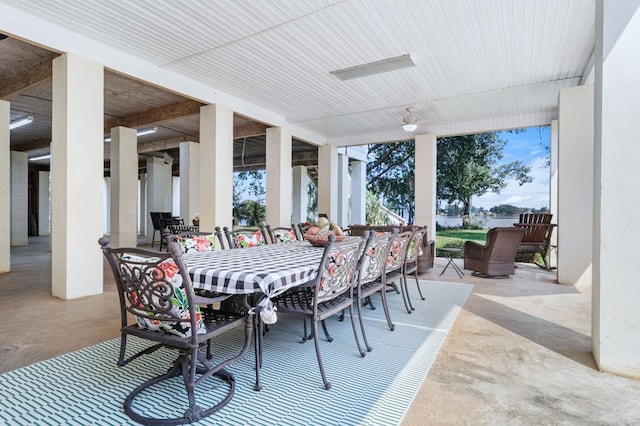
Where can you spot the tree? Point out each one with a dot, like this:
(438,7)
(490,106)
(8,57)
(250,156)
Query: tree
(252,212)
(390,176)
(467,166)
(375,215)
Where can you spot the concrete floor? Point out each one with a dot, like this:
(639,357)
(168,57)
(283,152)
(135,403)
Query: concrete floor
(518,354)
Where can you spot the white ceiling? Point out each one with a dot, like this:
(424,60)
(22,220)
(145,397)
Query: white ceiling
(480,64)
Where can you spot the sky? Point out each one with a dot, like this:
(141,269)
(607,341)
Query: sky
(532,148)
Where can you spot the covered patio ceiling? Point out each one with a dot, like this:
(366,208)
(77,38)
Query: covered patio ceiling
(477,66)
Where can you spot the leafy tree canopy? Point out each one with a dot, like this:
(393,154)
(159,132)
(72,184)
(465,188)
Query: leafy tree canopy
(390,175)
(468,166)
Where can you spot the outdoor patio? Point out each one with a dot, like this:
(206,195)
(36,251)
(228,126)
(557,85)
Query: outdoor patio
(519,353)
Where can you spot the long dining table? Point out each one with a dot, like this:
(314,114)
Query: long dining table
(264,271)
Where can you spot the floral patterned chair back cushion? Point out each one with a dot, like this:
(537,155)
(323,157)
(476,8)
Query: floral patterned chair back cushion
(196,243)
(282,235)
(398,251)
(337,272)
(374,258)
(155,294)
(415,245)
(245,239)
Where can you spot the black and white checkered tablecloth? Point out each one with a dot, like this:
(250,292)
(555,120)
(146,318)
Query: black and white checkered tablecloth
(269,269)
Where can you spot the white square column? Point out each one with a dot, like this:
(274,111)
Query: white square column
(300,197)
(615,292)
(553,190)
(77,168)
(216,167)
(189,180)
(143,212)
(19,198)
(358,192)
(575,184)
(426,156)
(5,188)
(159,193)
(44,206)
(279,178)
(328,181)
(344,189)
(124,188)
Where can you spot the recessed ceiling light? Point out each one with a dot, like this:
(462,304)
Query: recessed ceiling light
(385,65)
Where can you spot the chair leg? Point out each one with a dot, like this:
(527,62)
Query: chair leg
(369,302)
(385,307)
(316,341)
(415,275)
(406,290)
(355,331)
(326,332)
(364,334)
(405,296)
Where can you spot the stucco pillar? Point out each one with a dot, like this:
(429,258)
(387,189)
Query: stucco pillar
(425,182)
(143,212)
(216,167)
(615,291)
(124,188)
(328,180)
(19,198)
(77,165)
(5,188)
(279,180)
(300,196)
(159,190)
(344,188)
(189,175)
(358,192)
(44,206)
(575,184)
(553,190)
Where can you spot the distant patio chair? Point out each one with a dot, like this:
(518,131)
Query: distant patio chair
(537,236)
(497,257)
(156,220)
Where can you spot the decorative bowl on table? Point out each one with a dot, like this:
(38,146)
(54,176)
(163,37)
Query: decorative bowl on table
(321,240)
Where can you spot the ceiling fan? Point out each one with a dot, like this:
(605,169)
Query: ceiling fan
(410,122)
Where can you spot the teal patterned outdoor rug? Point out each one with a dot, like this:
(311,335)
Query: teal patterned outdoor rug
(86,387)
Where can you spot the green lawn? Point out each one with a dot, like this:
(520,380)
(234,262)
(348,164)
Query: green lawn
(457,237)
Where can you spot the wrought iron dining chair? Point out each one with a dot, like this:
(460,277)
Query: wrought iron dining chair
(329,293)
(281,234)
(166,222)
(244,237)
(393,274)
(156,290)
(371,266)
(411,262)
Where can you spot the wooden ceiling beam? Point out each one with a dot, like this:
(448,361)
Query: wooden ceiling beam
(26,79)
(156,115)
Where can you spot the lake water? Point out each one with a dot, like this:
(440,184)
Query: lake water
(489,222)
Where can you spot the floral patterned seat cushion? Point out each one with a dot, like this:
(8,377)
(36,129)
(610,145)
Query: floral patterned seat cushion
(178,300)
(197,243)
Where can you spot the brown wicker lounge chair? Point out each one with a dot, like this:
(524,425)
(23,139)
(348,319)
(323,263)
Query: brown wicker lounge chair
(497,257)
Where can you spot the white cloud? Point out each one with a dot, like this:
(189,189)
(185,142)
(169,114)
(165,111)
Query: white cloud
(534,194)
